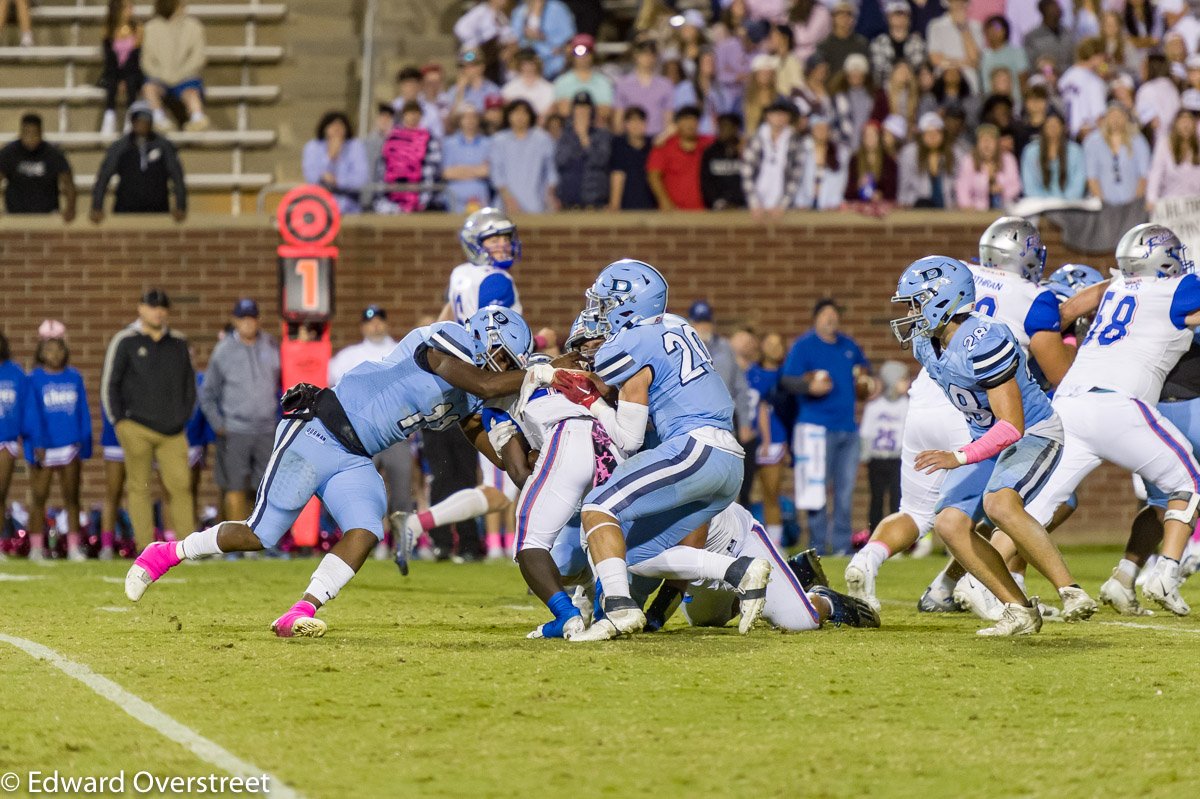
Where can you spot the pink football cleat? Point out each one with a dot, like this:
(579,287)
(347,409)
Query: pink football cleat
(300,622)
(155,561)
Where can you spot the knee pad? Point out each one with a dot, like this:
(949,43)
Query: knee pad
(1188,514)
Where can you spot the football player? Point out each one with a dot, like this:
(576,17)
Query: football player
(1016,438)
(435,377)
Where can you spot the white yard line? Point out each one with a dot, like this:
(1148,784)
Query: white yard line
(152,717)
(19,578)
(112,609)
(1162,627)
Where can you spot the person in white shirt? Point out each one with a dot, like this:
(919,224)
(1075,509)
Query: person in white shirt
(880,434)
(1179,19)
(956,40)
(482,24)
(1157,100)
(394,463)
(1082,88)
(529,85)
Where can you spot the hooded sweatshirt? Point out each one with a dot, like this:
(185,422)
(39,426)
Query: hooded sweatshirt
(241,386)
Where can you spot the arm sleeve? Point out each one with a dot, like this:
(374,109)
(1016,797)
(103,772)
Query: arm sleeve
(1185,301)
(210,392)
(614,365)
(654,162)
(1043,314)
(995,361)
(497,289)
(108,168)
(33,430)
(194,56)
(354,167)
(796,362)
(626,426)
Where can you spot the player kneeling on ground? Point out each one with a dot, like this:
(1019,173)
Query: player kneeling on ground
(436,376)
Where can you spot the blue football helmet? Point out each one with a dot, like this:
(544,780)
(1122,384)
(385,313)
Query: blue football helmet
(494,330)
(626,293)
(935,288)
(1012,244)
(1070,278)
(481,226)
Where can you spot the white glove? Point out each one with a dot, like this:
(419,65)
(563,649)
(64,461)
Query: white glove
(537,376)
(501,433)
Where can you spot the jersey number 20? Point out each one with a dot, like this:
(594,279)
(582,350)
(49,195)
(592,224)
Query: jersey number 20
(696,360)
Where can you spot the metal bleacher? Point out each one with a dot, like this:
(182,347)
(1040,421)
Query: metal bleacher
(63,69)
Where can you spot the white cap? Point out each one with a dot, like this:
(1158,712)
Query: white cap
(1123,80)
(896,125)
(694,18)
(763,61)
(930,120)
(856,62)
(1190,100)
(1170,6)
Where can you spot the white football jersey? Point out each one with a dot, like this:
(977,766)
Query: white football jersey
(466,283)
(924,393)
(545,409)
(1025,307)
(1138,336)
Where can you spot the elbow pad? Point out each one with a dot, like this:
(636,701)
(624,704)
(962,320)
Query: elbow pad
(626,425)
(993,442)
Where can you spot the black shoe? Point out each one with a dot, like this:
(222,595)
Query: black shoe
(665,603)
(846,609)
(806,566)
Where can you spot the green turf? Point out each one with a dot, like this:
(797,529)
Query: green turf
(427,687)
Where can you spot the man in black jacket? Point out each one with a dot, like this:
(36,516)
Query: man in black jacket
(148,390)
(721,166)
(145,162)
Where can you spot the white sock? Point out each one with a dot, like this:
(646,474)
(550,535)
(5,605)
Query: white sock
(1128,567)
(683,563)
(331,576)
(775,533)
(198,545)
(614,576)
(459,506)
(873,555)
(1020,578)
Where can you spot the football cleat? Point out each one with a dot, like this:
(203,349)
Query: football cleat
(807,567)
(1121,599)
(1050,613)
(155,561)
(299,622)
(751,591)
(621,617)
(930,603)
(1162,586)
(1189,564)
(76,555)
(405,529)
(860,584)
(1016,620)
(971,595)
(582,599)
(560,628)
(847,610)
(1077,605)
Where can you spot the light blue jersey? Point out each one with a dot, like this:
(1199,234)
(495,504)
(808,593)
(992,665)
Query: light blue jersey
(388,400)
(984,354)
(686,392)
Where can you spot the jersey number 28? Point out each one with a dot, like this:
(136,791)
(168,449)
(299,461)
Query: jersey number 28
(696,360)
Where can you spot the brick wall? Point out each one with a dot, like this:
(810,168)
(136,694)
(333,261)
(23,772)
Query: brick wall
(767,276)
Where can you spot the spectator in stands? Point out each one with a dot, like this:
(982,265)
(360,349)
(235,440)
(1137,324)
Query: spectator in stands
(899,43)
(493,117)
(853,99)
(24,20)
(172,58)
(814,96)
(581,158)
(721,166)
(957,41)
(583,77)
(522,161)
(772,163)
(959,135)
(470,86)
(706,93)
(466,163)
(411,154)
(926,167)
(385,120)
(529,85)
(732,50)
(1051,39)
(1052,164)
(761,92)
(546,26)
(1178,19)
(789,69)
(35,173)
(1082,88)
(988,178)
(1033,113)
(433,87)
(899,96)
(687,41)
(1157,100)
(485,28)
(673,168)
(926,79)
(1143,24)
(952,91)
(872,175)
(895,134)
(825,162)
(653,20)
(924,12)
(842,40)
(811,23)
(827,369)
(998,53)
(408,86)
(1086,22)
(1117,158)
(1119,50)
(1175,49)
(240,400)
(148,390)
(1175,166)
(122,60)
(144,163)
(337,161)
(58,436)
(646,89)
(629,189)
(999,107)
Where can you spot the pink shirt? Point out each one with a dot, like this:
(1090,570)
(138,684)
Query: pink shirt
(809,35)
(775,11)
(1169,179)
(981,10)
(971,185)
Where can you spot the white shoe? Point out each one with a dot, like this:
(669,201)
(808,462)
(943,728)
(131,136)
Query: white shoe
(613,625)
(1016,620)
(108,125)
(27,39)
(970,594)
(382,551)
(77,555)
(1189,564)
(1049,613)
(860,584)
(1123,600)
(581,598)
(1077,605)
(1146,571)
(196,125)
(495,553)
(36,554)
(571,627)
(924,547)
(1162,586)
(106,553)
(752,594)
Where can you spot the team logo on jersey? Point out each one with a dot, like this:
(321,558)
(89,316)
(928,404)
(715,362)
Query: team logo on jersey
(142,352)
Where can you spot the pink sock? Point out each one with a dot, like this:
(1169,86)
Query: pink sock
(106,539)
(37,542)
(508,540)
(423,540)
(426,520)
(168,535)
(74,540)
(493,541)
(303,608)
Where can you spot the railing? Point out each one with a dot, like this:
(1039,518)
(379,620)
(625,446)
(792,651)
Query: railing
(368,191)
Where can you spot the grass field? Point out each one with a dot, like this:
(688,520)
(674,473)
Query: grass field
(426,687)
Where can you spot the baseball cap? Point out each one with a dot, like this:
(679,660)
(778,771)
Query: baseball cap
(470,55)
(930,120)
(52,328)
(781,105)
(493,101)
(140,108)
(763,61)
(374,312)
(245,307)
(582,43)
(582,98)
(849,6)
(156,298)
(1123,80)
(700,311)
(431,67)
(856,62)
(693,17)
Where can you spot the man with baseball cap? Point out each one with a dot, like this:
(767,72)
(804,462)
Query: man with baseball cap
(240,399)
(148,392)
(583,77)
(144,163)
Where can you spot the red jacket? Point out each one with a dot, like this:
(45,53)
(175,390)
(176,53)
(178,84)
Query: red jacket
(680,171)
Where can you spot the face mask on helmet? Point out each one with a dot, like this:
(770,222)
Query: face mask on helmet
(915,324)
(502,344)
(486,224)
